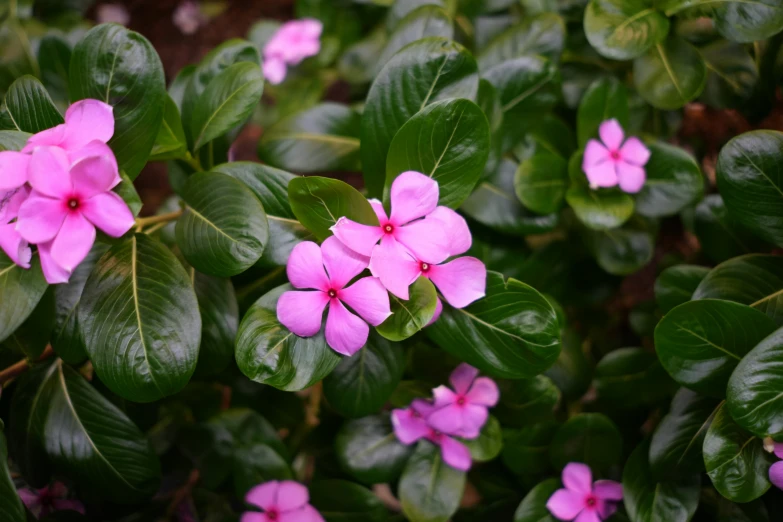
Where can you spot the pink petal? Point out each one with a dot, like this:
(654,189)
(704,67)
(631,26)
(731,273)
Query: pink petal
(462,378)
(377,207)
(588,515)
(368,298)
(427,240)
(49,172)
(109,212)
(96,149)
(634,152)
(776,474)
(359,238)
(456,228)
(93,175)
(447,420)
(302,312)
(47,138)
(461,281)
(311,27)
(423,407)
(595,153)
(631,177)
(413,196)
(778,449)
(602,175)
(608,490)
(606,509)
(455,453)
(395,268)
(274,70)
(484,392)
(305,267)
(30,498)
(13,169)
(565,504)
(345,333)
(578,477)
(40,218)
(306,514)
(407,427)
(11,202)
(68,505)
(443,397)
(14,246)
(342,264)
(88,120)
(264,495)
(291,496)
(252,516)
(73,242)
(53,273)
(438,310)
(611,134)
(473,419)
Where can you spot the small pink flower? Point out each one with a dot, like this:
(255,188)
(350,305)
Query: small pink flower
(411,425)
(301,312)
(292,43)
(67,202)
(776,471)
(88,123)
(581,500)
(46,501)
(464,411)
(285,501)
(187,17)
(112,13)
(613,162)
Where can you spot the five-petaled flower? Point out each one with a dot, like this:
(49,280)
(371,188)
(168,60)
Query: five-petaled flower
(776,470)
(464,410)
(302,311)
(285,501)
(613,162)
(47,500)
(582,500)
(292,43)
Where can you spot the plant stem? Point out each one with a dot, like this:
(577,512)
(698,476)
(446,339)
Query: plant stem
(193,162)
(162,218)
(19,368)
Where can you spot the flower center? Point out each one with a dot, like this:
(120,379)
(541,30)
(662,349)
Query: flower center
(73,203)
(591,501)
(461,401)
(425,267)
(272,514)
(332,293)
(615,154)
(388,228)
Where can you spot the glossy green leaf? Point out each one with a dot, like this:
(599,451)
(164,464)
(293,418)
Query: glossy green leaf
(319,202)
(426,71)
(591,438)
(32,336)
(430,490)
(409,317)
(171,142)
(357,63)
(541,182)
(720,235)
(533,506)
(399,9)
(572,372)
(11,507)
(732,74)
(543,34)
(525,402)
(120,67)
(30,107)
(624,29)
(22,290)
(737,20)
(256,464)
(343,501)
(674,181)
(13,140)
(736,460)
(676,285)
(129,195)
(598,209)
(627,378)
(368,450)
(670,74)
(548,134)
(224,229)
(54,58)
(526,450)
(268,353)
(701,342)
(425,21)
(513,332)
(488,444)
(605,99)
(217,304)
(750,180)
(139,301)
(624,250)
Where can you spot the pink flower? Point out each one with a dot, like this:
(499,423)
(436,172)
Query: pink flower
(11,241)
(581,500)
(67,202)
(411,425)
(301,312)
(285,501)
(464,411)
(187,17)
(88,123)
(611,162)
(46,501)
(776,471)
(112,13)
(292,43)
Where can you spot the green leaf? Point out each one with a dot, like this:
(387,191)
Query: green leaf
(624,250)
(541,182)
(720,235)
(121,68)
(527,401)
(513,332)
(598,209)
(533,506)
(572,372)
(737,20)
(320,139)
(543,34)
(54,58)
(256,464)
(488,444)
(624,29)
(319,202)
(670,74)
(29,106)
(368,450)
(549,134)
(674,181)
(33,335)
(426,71)
(343,501)
(430,490)
(754,398)
(224,229)
(13,140)
(755,280)
(16,55)
(171,142)
(627,378)
(409,317)
(11,507)
(732,74)
(676,285)
(357,63)
(701,342)
(228,100)
(605,99)
(361,385)
(219,312)
(591,438)
(268,353)
(425,21)
(139,301)
(399,9)
(128,193)
(750,180)
(736,461)
(526,450)
(649,501)
(22,290)
(675,447)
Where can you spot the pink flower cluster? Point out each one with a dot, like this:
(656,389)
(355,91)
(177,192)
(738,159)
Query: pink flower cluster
(582,500)
(292,43)
(58,189)
(415,241)
(776,470)
(45,501)
(285,501)
(615,160)
(458,412)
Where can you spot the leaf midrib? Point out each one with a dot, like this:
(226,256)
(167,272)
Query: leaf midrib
(137,310)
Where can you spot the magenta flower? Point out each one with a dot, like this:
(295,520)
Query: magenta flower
(411,425)
(187,16)
(11,241)
(463,411)
(67,202)
(613,162)
(46,501)
(302,312)
(285,501)
(88,124)
(292,43)
(581,499)
(776,471)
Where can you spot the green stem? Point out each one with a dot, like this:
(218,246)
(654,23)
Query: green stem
(154,220)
